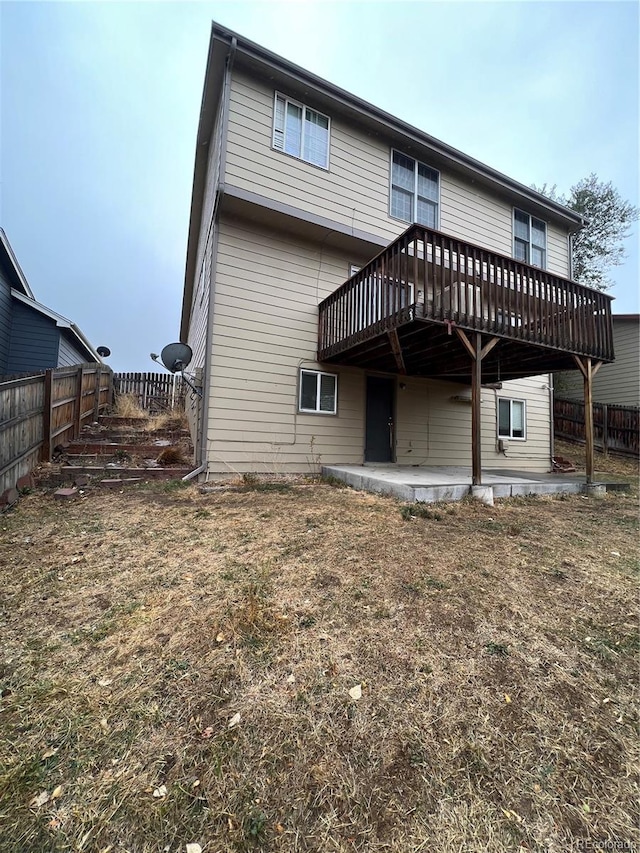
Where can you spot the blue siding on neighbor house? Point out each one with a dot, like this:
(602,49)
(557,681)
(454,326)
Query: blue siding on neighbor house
(6,305)
(68,355)
(33,344)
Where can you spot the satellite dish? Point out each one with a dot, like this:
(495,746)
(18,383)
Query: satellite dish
(103,352)
(176,357)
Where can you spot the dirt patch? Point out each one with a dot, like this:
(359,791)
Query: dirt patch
(202,648)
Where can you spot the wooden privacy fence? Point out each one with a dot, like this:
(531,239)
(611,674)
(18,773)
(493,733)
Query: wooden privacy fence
(615,427)
(155,392)
(40,411)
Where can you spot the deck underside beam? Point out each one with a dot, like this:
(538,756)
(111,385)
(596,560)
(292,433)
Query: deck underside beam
(396,349)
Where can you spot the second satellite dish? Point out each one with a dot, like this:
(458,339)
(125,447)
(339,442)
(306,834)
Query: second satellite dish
(176,357)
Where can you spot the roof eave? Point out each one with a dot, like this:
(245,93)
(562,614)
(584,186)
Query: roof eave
(4,240)
(60,321)
(210,94)
(573,220)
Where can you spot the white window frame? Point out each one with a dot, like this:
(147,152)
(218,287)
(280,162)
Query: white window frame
(530,243)
(511,401)
(415,188)
(304,109)
(318,374)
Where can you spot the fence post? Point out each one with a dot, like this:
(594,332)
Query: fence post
(47,426)
(78,403)
(96,399)
(605,429)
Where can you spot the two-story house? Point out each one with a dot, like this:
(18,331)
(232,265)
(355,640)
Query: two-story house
(357,291)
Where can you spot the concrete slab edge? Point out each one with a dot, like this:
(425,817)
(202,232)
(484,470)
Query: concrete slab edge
(432,494)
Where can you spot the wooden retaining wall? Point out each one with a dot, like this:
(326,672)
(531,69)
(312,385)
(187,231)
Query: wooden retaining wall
(40,411)
(615,427)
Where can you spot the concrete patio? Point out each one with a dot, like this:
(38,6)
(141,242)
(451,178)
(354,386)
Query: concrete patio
(452,483)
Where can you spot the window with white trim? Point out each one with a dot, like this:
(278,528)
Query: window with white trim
(318,392)
(529,239)
(300,131)
(415,191)
(511,418)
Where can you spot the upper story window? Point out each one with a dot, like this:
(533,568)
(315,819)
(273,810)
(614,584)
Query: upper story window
(301,132)
(415,191)
(529,239)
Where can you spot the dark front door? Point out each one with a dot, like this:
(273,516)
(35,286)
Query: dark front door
(379,432)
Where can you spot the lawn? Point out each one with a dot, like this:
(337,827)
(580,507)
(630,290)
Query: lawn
(300,667)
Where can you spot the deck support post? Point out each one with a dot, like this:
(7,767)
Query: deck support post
(476,415)
(588,370)
(477,353)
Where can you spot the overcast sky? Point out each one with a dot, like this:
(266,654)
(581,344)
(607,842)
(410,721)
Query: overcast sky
(100,103)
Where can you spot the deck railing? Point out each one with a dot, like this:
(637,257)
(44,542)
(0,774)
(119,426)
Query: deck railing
(427,275)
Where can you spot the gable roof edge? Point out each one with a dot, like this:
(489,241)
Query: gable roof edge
(60,321)
(243,45)
(6,245)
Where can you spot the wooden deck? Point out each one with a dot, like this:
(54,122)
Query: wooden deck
(398,312)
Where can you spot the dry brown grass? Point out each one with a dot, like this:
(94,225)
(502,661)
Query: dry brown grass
(127,406)
(613,463)
(171,419)
(496,649)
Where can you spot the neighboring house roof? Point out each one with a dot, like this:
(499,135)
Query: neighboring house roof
(632,317)
(60,321)
(9,262)
(224,43)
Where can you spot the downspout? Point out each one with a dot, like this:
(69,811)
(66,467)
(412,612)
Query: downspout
(219,190)
(552,439)
(193,474)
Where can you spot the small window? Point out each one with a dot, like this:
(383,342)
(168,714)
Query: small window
(318,392)
(415,191)
(301,132)
(511,418)
(529,239)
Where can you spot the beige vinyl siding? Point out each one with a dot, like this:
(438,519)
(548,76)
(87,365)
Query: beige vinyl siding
(534,453)
(557,251)
(434,429)
(267,291)
(617,383)
(214,164)
(199,316)
(355,189)
(268,287)
(204,256)
(473,214)
(197,338)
